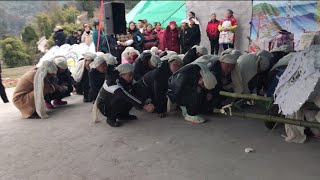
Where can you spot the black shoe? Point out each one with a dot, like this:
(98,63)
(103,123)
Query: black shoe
(127,117)
(113,122)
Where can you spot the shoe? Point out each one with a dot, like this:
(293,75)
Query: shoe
(59,102)
(194,119)
(184,111)
(49,105)
(127,117)
(86,100)
(113,122)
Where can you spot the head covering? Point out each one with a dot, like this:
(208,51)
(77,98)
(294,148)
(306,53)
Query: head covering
(60,62)
(57,28)
(125,68)
(236,53)
(264,53)
(228,58)
(227,51)
(207,59)
(173,23)
(175,58)
(154,50)
(38,84)
(97,62)
(262,63)
(181,56)
(155,60)
(283,48)
(89,55)
(110,59)
(169,54)
(185,21)
(99,53)
(126,52)
(201,49)
(209,79)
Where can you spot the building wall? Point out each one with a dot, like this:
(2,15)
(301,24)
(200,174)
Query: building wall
(242,12)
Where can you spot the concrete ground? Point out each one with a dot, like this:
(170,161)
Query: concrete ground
(68,147)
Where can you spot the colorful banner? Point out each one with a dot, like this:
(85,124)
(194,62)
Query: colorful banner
(296,17)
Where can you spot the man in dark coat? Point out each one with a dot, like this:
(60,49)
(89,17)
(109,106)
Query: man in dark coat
(154,84)
(144,63)
(115,99)
(185,37)
(196,34)
(59,37)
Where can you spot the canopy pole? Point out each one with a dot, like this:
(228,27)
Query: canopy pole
(99,27)
(173,13)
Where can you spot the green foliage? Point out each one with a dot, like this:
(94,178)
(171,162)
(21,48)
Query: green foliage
(70,14)
(317,12)
(70,27)
(43,23)
(14,52)
(89,6)
(29,34)
(50,42)
(264,9)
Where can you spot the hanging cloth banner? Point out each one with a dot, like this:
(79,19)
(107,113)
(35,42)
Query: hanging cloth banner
(99,27)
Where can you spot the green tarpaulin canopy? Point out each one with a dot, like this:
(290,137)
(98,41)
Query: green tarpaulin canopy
(158,11)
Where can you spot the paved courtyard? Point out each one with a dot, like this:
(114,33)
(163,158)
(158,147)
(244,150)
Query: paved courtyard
(68,147)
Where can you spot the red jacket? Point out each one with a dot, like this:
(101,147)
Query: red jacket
(161,39)
(172,39)
(212,29)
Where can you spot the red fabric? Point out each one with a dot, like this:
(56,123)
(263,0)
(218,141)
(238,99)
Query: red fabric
(212,29)
(160,34)
(172,39)
(150,39)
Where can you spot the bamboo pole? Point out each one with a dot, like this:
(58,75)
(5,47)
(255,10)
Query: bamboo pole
(274,119)
(246,96)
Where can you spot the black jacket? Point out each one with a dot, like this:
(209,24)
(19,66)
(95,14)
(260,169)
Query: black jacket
(137,40)
(96,80)
(186,39)
(141,65)
(196,34)
(73,40)
(190,56)
(157,81)
(59,38)
(112,41)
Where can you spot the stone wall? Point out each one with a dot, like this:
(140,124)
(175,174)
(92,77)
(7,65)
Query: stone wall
(242,12)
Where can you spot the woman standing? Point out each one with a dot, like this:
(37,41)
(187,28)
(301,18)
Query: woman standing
(136,36)
(150,38)
(227,27)
(171,37)
(87,35)
(160,33)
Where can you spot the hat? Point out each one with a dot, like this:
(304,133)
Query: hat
(175,58)
(227,51)
(60,62)
(169,54)
(155,60)
(111,60)
(209,79)
(125,68)
(173,23)
(89,56)
(99,53)
(228,58)
(97,62)
(126,52)
(201,49)
(181,56)
(154,50)
(185,21)
(57,28)
(236,53)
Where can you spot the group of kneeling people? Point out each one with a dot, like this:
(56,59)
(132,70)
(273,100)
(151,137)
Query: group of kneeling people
(192,81)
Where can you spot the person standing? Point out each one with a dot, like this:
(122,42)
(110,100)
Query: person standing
(141,26)
(2,89)
(73,39)
(171,37)
(227,27)
(59,36)
(136,36)
(150,38)
(160,33)
(185,36)
(87,35)
(213,34)
(195,29)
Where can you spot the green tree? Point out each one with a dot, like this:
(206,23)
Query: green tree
(29,35)
(87,5)
(14,52)
(70,14)
(262,11)
(317,13)
(44,25)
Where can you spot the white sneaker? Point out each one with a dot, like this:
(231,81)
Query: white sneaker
(171,106)
(184,111)
(194,119)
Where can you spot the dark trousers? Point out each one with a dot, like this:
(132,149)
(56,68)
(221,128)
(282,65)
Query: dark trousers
(194,100)
(214,46)
(119,50)
(227,46)
(3,92)
(58,95)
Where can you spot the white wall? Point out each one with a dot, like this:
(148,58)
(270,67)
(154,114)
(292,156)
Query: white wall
(242,12)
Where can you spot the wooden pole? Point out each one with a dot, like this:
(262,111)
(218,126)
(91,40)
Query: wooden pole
(274,119)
